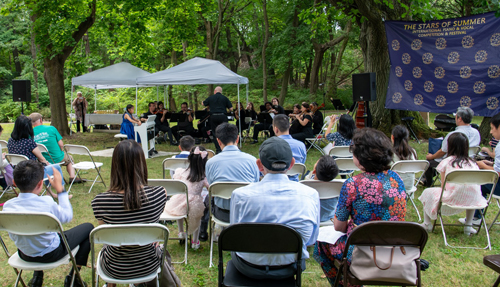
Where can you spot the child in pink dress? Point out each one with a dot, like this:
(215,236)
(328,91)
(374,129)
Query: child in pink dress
(195,179)
(455,194)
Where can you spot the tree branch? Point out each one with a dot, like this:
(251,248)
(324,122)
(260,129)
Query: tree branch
(80,31)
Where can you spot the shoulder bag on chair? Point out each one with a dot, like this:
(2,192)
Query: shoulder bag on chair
(384,263)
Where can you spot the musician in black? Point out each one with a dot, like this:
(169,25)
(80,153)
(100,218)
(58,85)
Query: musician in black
(317,118)
(161,123)
(241,115)
(204,127)
(277,109)
(218,104)
(186,125)
(305,120)
(266,125)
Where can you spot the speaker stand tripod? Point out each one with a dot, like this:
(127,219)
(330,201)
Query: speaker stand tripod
(22,108)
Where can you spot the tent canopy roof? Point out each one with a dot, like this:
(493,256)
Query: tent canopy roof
(197,71)
(121,75)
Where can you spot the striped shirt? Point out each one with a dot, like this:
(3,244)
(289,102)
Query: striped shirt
(127,262)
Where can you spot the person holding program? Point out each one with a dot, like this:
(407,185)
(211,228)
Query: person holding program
(195,179)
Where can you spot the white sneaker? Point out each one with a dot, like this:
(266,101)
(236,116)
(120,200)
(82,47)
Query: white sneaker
(468,230)
(475,221)
(427,226)
(195,246)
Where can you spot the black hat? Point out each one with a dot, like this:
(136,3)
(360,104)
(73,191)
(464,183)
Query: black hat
(275,154)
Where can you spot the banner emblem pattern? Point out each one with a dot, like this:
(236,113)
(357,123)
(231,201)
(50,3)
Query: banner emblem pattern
(492,103)
(479,87)
(494,71)
(428,86)
(416,44)
(495,40)
(395,45)
(406,58)
(465,72)
(417,72)
(399,71)
(467,42)
(481,56)
(427,58)
(397,97)
(440,43)
(452,87)
(465,101)
(440,101)
(453,57)
(418,100)
(408,85)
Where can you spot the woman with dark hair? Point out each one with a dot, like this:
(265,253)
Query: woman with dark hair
(345,130)
(22,142)
(317,118)
(129,200)
(454,194)
(242,114)
(195,179)
(403,151)
(127,127)
(306,121)
(375,194)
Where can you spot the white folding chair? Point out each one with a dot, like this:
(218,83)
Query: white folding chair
(317,139)
(72,123)
(173,187)
(211,153)
(467,177)
(44,149)
(326,190)
(14,159)
(123,235)
(222,190)
(473,151)
(411,167)
(173,164)
(36,223)
(84,165)
(3,145)
(340,151)
(346,166)
(297,169)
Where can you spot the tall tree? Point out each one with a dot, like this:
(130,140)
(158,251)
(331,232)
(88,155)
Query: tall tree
(264,47)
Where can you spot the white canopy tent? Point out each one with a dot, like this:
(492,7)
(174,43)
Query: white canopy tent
(197,71)
(121,75)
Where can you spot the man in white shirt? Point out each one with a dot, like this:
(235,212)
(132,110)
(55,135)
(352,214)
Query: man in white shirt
(463,118)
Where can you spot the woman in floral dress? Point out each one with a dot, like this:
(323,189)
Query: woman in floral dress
(376,194)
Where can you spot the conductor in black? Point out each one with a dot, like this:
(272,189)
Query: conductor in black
(218,104)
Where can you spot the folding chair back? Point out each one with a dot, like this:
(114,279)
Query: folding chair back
(258,238)
(297,169)
(383,233)
(123,235)
(84,165)
(222,190)
(174,163)
(340,151)
(473,151)
(211,153)
(325,189)
(467,177)
(44,149)
(35,223)
(346,164)
(14,159)
(3,144)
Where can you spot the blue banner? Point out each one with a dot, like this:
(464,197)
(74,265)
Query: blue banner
(438,66)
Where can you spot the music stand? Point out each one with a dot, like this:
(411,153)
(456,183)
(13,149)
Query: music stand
(178,117)
(287,112)
(264,118)
(201,114)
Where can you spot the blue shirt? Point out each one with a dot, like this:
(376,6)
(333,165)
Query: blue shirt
(298,150)
(39,245)
(231,165)
(276,199)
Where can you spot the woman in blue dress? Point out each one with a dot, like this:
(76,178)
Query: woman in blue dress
(127,127)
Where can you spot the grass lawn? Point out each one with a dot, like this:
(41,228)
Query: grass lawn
(448,267)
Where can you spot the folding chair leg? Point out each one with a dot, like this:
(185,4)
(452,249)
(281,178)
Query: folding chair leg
(415,206)
(77,175)
(102,180)
(19,279)
(497,282)
(483,223)
(8,256)
(496,217)
(211,232)
(185,245)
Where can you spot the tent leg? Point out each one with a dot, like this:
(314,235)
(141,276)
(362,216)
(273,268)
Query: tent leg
(136,107)
(71,110)
(238,107)
(95,98)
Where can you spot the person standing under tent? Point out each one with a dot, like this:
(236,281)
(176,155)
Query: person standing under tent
(80,105)
(218,104)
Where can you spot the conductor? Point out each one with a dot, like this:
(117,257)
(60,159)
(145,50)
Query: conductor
(218,104)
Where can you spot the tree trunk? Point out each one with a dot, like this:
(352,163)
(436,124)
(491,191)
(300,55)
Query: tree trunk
(484,130)
(35,71)
(54,76)
(319,51)
(284,82)
(264,47)
(17,63)
(308,73)
(173,106)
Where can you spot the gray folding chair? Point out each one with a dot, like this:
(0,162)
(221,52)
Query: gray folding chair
(222,190)
(297,169)
(346,166)
(173,187)
(411,167)
(326,190)
(172,164)
(44,149)
(467,177)
(35,223)
(123,235)
(3,145)
(84,165)
(340,151)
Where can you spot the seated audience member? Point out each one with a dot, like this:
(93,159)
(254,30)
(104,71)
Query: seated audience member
(275,199)
(186,125)
(490,152)
(317,118)
(488,165)
(281,124)
(186,143)
(345,130)
(194,178)
(21,142)
(161,123)
(47,247)
(127,127)
(463,118)
(454,194)
(326,169)
(381,196)
(263,126)
(306,121)
(230,165)
(52,140)
(403,151)
(129,200)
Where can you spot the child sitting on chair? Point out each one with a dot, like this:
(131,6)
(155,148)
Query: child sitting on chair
(47,247)
(326,169)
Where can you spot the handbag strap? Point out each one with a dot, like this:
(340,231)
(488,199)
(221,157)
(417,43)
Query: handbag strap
(375,258)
